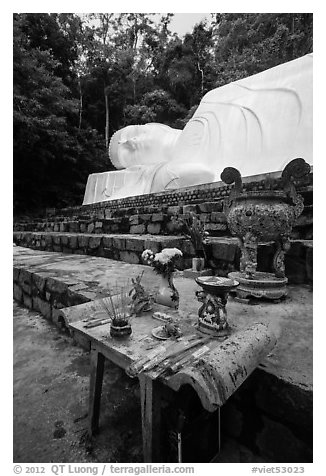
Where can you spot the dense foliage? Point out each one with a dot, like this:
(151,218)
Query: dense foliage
(78,79)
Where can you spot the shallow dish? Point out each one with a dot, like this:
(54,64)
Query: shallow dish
(160,333)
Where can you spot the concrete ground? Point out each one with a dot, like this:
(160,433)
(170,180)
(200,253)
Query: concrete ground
(51,395)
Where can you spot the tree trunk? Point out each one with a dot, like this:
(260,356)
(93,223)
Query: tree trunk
(107,118)
(202,80)
(80,105)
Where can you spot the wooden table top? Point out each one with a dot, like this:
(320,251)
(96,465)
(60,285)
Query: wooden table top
(219,366)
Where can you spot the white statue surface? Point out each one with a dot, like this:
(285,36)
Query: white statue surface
(257,125)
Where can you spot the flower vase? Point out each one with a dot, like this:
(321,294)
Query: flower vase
(167,294)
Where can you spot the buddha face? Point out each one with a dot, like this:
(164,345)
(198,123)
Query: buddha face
(142,145)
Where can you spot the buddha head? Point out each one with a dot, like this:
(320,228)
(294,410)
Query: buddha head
(142,145)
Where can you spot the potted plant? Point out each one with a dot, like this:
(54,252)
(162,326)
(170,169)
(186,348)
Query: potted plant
(194,230)
(164,265)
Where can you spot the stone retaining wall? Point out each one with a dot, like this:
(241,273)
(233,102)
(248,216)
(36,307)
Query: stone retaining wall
(215,191)
(154,213)
(269,419)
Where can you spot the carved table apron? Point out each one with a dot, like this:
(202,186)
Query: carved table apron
(219,369)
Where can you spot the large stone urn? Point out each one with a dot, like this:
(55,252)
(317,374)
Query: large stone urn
(263,216)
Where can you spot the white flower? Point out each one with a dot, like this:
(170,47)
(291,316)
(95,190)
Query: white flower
(172,252)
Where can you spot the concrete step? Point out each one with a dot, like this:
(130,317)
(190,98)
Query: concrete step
(224,251)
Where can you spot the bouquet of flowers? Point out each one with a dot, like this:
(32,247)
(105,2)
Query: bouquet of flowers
(194,229)
(163,262)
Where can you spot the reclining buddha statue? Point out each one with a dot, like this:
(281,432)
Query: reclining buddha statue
(256,124)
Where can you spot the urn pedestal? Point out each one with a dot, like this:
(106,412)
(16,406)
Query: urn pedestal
(212,315)
(263,216)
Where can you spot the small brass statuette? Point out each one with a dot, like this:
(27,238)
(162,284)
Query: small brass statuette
(212,315)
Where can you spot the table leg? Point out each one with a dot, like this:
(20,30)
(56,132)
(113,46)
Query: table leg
(95,390)
(151,415)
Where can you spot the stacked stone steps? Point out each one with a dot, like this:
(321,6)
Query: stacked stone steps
(125,247)
(224,251)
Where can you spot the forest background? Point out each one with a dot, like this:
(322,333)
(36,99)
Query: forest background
(79,78)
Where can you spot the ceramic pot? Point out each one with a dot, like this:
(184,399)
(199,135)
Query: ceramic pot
(167,294)
(120,331)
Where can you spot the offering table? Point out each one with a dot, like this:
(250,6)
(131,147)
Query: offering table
(214,367)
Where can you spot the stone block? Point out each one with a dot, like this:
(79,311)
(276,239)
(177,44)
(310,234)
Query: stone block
(82,227)
(81,341)
(158,217)
(48,240)
(187,209)
(90,228)
(56,239)
(134,244)
(107,225)
(107,241)
(119,243)
(94,242)
(154,228)
(27,301)
(174,210)
(16,272)
(174,227)
(73,227)
(43,307)
(278,443)
(218,217)
(65,240)
(187,248)
(155,246)
(18,293)
(83,241)
(309,264)
(66,250)
(57,248)
(54,286)
(205,218)
(209,207)
(138,229)
(284,401)
(129,257)
(134,220)
(39,282)
(98,224)
(25,281)
(56,227)
(73,242)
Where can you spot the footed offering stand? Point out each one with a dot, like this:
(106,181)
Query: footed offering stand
(212,316)
(262,216)
(262,285)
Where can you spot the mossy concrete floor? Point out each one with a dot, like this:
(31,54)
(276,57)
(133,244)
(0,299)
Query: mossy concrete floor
(51,378)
